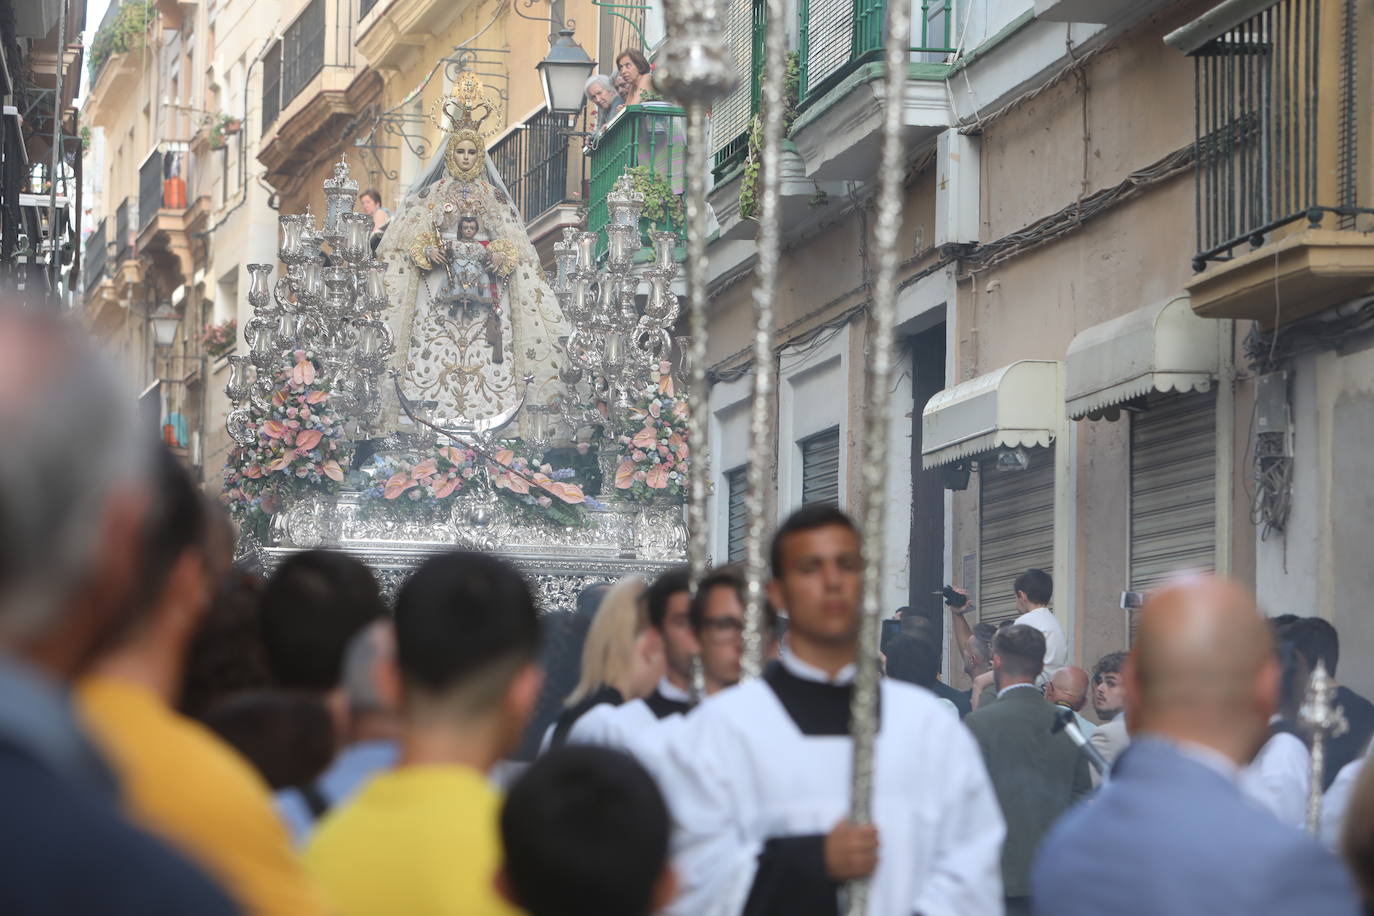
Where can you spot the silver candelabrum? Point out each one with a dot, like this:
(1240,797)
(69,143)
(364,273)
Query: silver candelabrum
(616,346)
(329,305)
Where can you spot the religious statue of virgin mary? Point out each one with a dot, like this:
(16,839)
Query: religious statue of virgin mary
(476,325)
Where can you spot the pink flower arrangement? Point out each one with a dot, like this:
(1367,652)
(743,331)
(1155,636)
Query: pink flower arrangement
(537,488)
(218,339)
(519,476)
(298,443)
(655,458)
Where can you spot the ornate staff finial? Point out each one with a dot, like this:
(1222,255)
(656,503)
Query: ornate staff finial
(1320,714)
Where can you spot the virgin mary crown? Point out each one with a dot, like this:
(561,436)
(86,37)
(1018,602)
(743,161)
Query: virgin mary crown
(466,107)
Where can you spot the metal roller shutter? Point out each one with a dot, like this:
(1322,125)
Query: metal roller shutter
(731,115)
(736,522)
(1015,531)
(820,464)
(1173,487)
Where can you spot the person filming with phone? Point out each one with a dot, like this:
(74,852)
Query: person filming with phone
(1033,588)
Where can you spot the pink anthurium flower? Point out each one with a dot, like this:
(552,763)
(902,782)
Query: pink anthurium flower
(308,439)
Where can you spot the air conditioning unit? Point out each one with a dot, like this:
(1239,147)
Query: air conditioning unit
(956,189)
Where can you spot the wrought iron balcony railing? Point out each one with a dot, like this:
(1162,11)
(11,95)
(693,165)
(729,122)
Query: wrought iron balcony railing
(837,36)
(126,214)
(96,255)
(650,142)
(149,189)
(535,164)
(164,182)
(1267,137)
(293,62)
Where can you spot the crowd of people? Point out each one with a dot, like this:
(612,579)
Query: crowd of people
(630,84)
(179,737)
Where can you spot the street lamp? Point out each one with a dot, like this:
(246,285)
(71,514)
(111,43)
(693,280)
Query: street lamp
(564,72)
(165,321)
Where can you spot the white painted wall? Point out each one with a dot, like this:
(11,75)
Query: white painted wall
(1320,564)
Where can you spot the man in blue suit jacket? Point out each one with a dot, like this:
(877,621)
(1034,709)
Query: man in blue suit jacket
(1172,833)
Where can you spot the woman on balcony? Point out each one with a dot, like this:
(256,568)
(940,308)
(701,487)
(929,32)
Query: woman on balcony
(634,68)
(601,93)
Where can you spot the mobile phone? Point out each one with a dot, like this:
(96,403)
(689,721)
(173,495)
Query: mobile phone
(891,630)
(1132,601)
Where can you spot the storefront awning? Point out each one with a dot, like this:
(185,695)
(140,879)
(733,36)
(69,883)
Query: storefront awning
(1162,347)
(1018,405)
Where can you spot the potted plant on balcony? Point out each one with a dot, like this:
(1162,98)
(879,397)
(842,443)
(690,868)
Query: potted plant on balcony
(224,126)
(218,339)
(662,206)
(749,187)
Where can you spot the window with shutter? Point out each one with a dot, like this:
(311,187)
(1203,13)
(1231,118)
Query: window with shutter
(1015,531)
(736,522)
(827,39)
(271,86)
(820,461)
(731,115)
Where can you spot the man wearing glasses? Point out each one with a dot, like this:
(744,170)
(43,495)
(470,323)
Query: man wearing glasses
(717,617)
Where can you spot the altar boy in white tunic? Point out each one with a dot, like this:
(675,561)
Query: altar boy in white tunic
(758,777)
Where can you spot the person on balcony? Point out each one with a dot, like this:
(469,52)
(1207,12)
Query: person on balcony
(634,68)
(601,93)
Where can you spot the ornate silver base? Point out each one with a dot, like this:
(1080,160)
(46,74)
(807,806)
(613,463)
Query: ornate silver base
(624,539)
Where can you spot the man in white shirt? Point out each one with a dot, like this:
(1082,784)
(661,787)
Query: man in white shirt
(758,776)
(1034,587)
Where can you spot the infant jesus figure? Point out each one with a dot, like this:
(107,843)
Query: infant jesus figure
(477,272)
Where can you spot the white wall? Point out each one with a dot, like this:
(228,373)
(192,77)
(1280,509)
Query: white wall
(1320,565)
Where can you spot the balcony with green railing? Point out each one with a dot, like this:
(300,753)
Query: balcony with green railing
(839,36)
(650,143)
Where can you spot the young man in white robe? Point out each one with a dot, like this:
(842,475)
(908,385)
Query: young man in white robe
(758,777)
(667,600)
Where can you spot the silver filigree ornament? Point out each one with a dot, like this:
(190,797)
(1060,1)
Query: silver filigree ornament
(331,308)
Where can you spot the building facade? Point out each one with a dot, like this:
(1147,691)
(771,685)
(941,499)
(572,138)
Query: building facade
(1081,374)
(181,208)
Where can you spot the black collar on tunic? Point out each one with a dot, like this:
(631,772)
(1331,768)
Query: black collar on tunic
(662,707)
(564,723)
(817,709)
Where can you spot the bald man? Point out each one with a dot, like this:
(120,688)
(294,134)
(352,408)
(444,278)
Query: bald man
(1172,832)
(1068,687)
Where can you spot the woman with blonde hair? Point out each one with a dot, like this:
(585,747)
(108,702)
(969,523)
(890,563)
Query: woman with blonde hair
(622,658)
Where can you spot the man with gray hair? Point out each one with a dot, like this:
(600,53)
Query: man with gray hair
(372,689)
(74,488)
